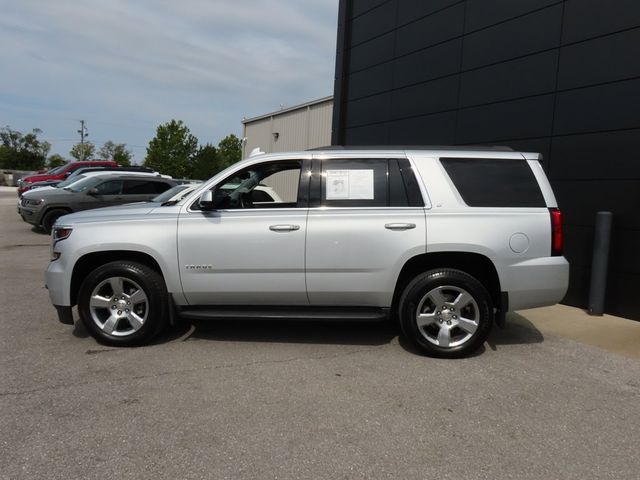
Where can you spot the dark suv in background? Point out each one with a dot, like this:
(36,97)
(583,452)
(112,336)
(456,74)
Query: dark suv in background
(42,207)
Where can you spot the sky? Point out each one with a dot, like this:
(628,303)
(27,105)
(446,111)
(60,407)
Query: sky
(128,66)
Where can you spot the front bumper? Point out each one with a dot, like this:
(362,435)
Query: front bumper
(30,215)
(58,280)
(65,314)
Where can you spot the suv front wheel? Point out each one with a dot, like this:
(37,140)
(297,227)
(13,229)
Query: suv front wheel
(123,303)
(446,313)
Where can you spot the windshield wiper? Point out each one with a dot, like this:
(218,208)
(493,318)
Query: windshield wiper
(169,202)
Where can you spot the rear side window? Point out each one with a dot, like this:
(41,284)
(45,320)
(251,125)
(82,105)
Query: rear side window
(144,187)
(354,183)
(494,183)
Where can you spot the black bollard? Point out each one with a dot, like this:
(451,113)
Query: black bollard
(600,263)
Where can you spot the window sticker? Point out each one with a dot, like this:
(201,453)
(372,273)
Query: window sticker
(349,185)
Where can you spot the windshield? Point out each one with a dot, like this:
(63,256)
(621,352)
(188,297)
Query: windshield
(70,180)
(57,169)
(84,184)
(166,196)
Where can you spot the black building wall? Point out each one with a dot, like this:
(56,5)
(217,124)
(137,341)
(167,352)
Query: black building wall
(557,77)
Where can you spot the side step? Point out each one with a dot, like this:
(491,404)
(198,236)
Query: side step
(349,314)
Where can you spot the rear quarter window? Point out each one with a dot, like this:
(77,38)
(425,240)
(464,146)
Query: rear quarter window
(494,183)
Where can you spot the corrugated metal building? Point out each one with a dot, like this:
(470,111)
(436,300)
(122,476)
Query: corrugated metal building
(295,128)
(301,127)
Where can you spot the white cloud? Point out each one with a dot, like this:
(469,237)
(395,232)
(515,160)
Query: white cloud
(207,62)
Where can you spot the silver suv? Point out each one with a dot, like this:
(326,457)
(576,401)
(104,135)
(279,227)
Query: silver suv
(444,241)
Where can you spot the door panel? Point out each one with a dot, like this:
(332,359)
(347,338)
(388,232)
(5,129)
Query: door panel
(361,231)
(246,253)
(354,256)
(237,257)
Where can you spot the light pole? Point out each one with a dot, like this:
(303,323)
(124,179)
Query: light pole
(83,133)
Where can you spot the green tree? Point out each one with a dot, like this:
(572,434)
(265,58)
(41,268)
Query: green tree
(205,162)
(172,150)
(83,151)
(20,151)
(117,152)
(55,160)
(229,152)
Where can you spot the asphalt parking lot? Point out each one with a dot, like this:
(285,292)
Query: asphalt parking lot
(289,401)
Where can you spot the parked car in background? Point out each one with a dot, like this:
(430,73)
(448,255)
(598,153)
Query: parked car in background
(71,176)
(60,173)
(80,174)
(259,195)
(43,206)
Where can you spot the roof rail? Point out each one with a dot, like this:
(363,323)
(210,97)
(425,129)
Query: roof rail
(256,151)
(488,148)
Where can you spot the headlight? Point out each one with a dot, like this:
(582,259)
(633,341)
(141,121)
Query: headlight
(61,232)
(58,234)
(32,202)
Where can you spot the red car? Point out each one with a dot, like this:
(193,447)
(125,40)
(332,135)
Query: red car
(60,173)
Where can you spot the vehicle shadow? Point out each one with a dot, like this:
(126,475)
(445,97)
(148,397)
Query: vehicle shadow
(295,331)
(519,331)
(168,335)
(40,231)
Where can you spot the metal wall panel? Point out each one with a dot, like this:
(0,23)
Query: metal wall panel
(319,133)
(258,135)
(552,76)
(297,128)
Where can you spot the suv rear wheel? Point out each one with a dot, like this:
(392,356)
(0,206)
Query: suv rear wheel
(446,313)
(123,303)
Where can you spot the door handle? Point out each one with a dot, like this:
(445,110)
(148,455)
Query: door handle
(284,228)
(400,226)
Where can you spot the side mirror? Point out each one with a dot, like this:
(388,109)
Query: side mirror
(92,192)
(67,174)
(206,200)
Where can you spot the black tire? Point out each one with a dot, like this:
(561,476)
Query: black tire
(151,315)
(448,329)
(50,218)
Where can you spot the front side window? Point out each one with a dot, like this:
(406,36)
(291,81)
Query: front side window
(266,185)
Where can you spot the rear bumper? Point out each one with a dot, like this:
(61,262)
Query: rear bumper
(538,282)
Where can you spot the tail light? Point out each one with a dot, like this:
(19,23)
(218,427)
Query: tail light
(556,232)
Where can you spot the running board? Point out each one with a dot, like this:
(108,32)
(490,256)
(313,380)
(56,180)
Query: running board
(349,314)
